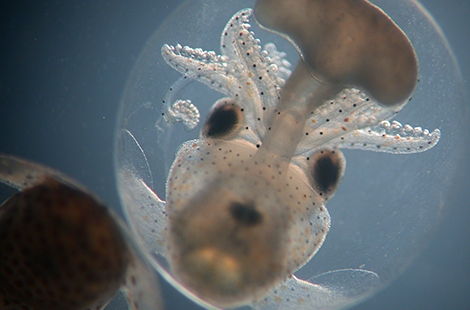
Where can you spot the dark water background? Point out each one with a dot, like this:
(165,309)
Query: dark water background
(64,65)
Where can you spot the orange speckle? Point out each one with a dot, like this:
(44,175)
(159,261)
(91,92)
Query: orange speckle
(314,121)
(346,119)
(248,83)
(397,137)
(344,128)
(300,300)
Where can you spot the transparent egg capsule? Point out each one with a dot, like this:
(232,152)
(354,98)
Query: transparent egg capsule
(233,136)
(60,248)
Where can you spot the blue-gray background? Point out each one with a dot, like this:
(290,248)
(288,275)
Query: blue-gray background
(64,65)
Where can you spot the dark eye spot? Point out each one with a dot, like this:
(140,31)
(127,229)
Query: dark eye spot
(223,120)
(245,214)
(326,171)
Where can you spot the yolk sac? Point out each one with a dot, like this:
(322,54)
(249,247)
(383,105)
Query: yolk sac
(346,43)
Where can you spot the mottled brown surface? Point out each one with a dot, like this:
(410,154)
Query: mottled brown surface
(59,249)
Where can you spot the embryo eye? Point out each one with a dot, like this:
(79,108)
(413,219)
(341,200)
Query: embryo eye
(224,120)
(326,171)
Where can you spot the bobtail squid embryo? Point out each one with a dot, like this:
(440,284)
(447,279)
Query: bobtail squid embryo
(246,202)
(61,248)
